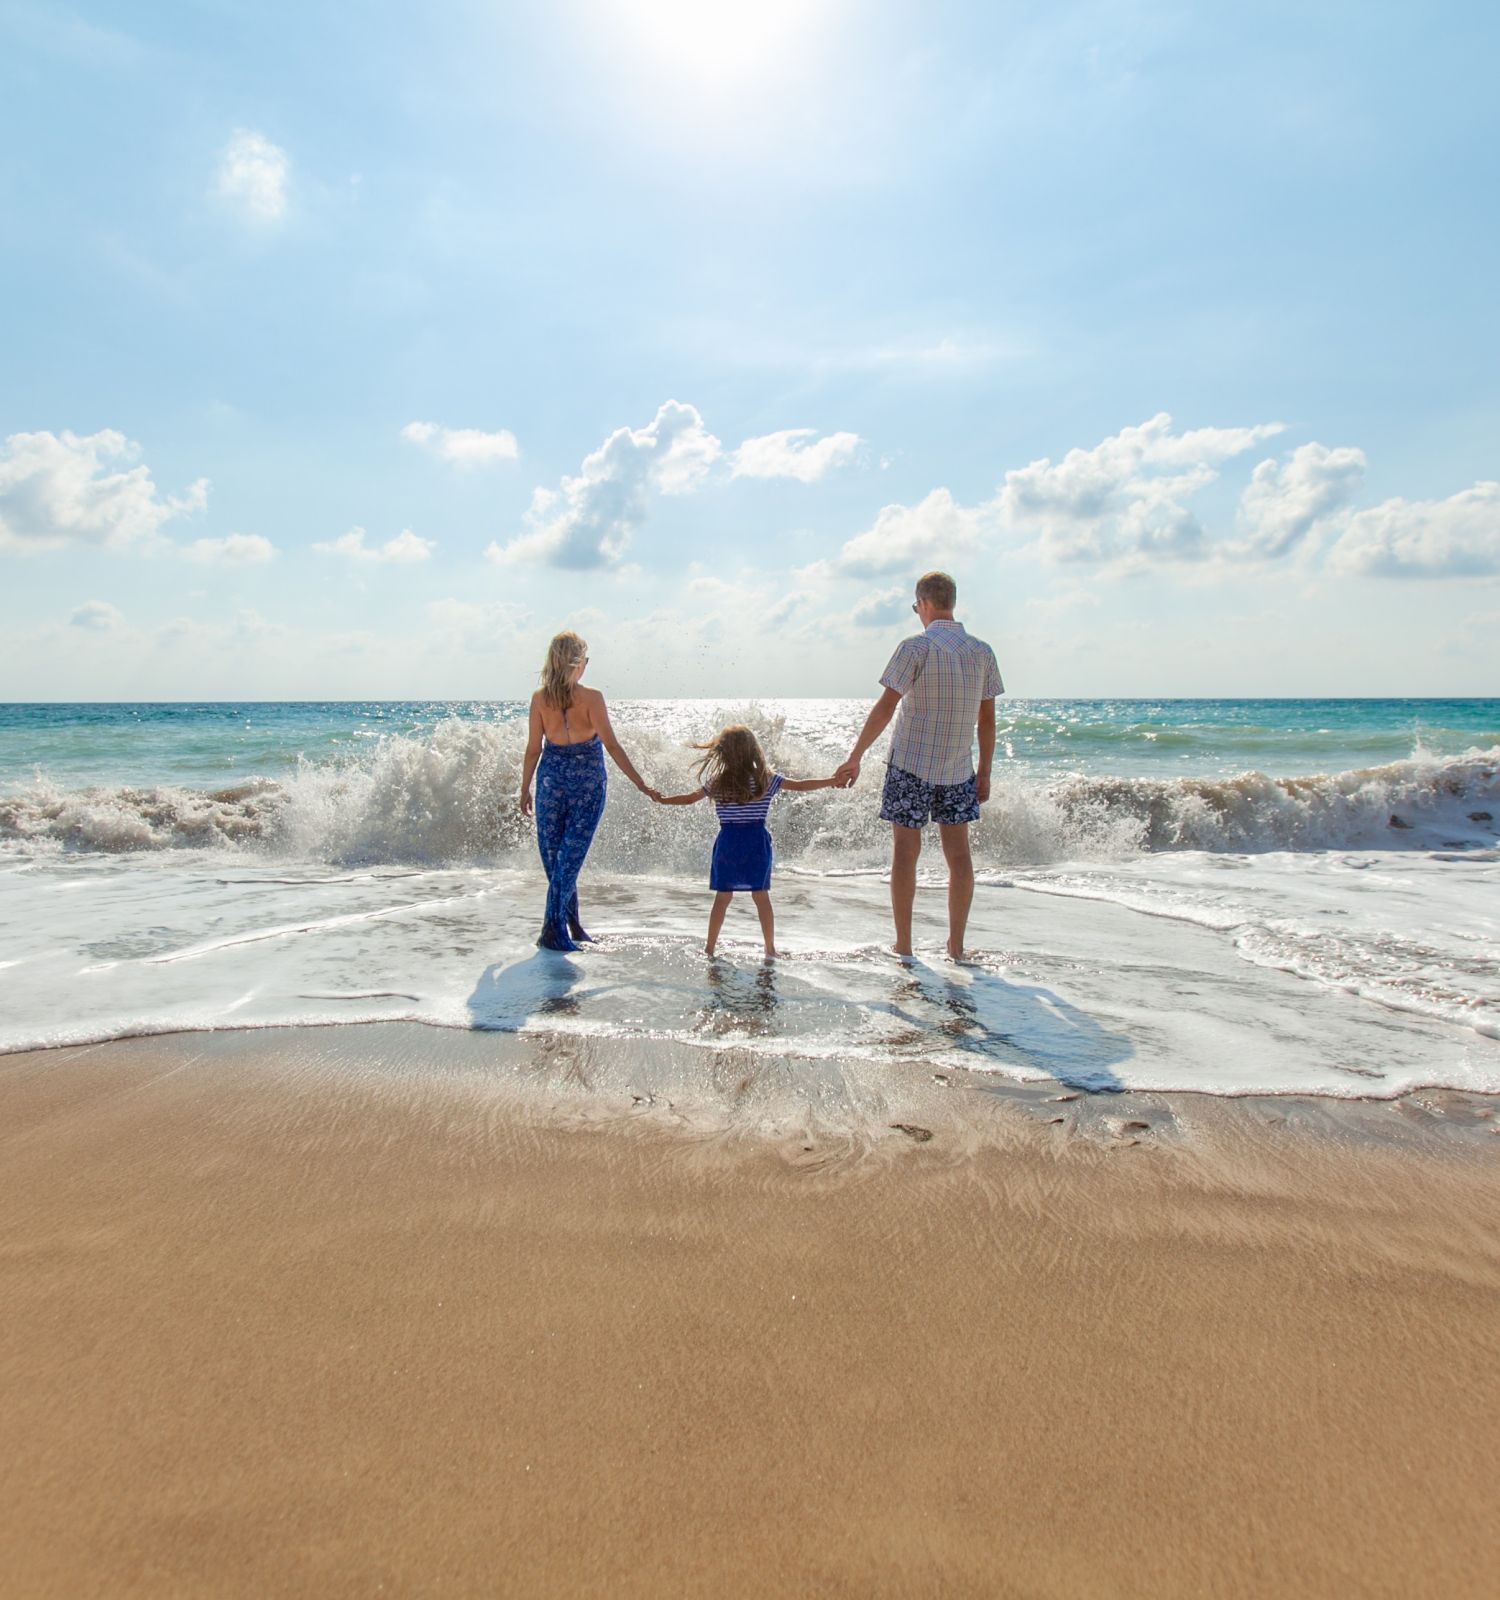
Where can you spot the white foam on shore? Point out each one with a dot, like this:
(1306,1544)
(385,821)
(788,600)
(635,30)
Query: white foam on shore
(1073,984)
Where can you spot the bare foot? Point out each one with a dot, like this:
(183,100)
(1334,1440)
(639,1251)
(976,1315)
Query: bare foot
(960,956)
(903,956)
(708,950)
(770,953)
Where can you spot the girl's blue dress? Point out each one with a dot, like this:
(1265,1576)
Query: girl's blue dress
(742,852)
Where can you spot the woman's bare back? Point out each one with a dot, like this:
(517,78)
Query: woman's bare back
(580,723)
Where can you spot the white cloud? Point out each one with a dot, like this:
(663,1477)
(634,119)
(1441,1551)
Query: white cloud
(465,447)
(234,550)
(1452,538)
(1126,495)
(1283,501)
(252,176)
(792,453)
(588,521)
(881,610)
(1124,498)
(404,549)
(909,537)
(99,616)
(58,488)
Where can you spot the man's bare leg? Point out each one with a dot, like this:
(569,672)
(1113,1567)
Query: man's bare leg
(906,846)
(716,919)
(955,836)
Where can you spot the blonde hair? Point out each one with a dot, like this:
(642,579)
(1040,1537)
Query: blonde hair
(735,770)
(563,654)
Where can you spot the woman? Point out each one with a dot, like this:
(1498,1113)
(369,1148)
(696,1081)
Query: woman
(569,781)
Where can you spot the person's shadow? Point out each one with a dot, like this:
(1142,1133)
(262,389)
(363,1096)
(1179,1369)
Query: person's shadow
(1011,1025)
(505,998)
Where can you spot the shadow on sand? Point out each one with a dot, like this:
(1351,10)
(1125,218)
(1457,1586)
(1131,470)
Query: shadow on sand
(541,985)
(1021,1029)
(1019,1026)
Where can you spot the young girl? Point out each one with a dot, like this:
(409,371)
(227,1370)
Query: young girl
(741,785)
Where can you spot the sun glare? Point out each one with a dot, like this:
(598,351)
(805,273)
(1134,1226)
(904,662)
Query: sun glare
(718,45)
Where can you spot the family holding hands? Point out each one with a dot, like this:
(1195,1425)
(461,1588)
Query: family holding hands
(940,686)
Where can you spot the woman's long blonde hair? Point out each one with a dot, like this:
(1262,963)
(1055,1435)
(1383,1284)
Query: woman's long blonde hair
(563,654)
(735,770)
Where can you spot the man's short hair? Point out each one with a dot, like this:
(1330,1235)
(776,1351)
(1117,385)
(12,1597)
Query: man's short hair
(937,589)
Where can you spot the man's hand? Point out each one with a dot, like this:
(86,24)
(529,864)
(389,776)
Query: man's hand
(525,803)
(845,776)
(982,786)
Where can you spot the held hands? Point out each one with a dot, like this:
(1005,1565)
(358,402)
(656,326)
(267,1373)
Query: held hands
(846,775)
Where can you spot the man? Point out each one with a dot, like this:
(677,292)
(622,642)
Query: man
(945,683)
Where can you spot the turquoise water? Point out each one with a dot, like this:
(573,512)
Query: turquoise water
(219,745)
(1229,896)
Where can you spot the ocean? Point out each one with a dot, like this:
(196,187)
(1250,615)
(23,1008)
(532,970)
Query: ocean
(1230,896)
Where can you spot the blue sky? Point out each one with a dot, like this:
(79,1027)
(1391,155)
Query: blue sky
(351,351)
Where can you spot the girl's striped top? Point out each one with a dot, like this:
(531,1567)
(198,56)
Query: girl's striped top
(751,811)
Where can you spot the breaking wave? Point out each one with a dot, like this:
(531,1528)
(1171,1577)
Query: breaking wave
(448,797)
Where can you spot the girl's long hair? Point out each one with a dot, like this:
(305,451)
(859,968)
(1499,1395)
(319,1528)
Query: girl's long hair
(735,769)
(563,654)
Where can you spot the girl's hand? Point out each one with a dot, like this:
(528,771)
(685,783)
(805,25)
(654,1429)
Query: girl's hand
(525,803)
(653,794)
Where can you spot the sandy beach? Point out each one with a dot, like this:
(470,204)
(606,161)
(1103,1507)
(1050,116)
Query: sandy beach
(345,1312)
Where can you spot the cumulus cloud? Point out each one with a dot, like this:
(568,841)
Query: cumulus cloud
(1453,538)
(464,447)
(588,521)
(56,489)
(905,537)
(234,550)
(404,549)
(252,176)
(881,610)
(793,453)
(1126,495)
(98,616)
(1283,500)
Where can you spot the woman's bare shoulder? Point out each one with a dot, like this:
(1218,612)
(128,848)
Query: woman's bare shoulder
(588,697)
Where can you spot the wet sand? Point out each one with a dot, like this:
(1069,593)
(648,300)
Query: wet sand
(303,1313)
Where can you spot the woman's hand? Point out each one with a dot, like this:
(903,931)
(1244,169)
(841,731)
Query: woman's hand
(652,794)
(524,803)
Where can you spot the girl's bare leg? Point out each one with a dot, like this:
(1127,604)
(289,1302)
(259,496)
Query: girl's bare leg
(716,919)
(762,899)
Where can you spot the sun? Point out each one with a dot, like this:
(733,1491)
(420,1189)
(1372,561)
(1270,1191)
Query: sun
(717,45)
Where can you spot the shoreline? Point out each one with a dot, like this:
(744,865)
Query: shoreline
(321,1310)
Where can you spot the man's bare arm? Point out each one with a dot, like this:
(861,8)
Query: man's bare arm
(986,748)
(875,724)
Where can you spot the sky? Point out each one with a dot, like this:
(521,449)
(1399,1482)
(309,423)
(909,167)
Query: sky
(352,351)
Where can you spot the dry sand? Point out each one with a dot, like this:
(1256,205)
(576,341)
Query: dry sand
(275,1326)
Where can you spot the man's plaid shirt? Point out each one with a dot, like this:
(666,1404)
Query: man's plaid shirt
(941,676)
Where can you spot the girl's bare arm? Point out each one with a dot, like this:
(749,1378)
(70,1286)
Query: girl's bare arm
(533,755)
(801,785)
(683,799)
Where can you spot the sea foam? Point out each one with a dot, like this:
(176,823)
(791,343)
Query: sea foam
(448,798)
